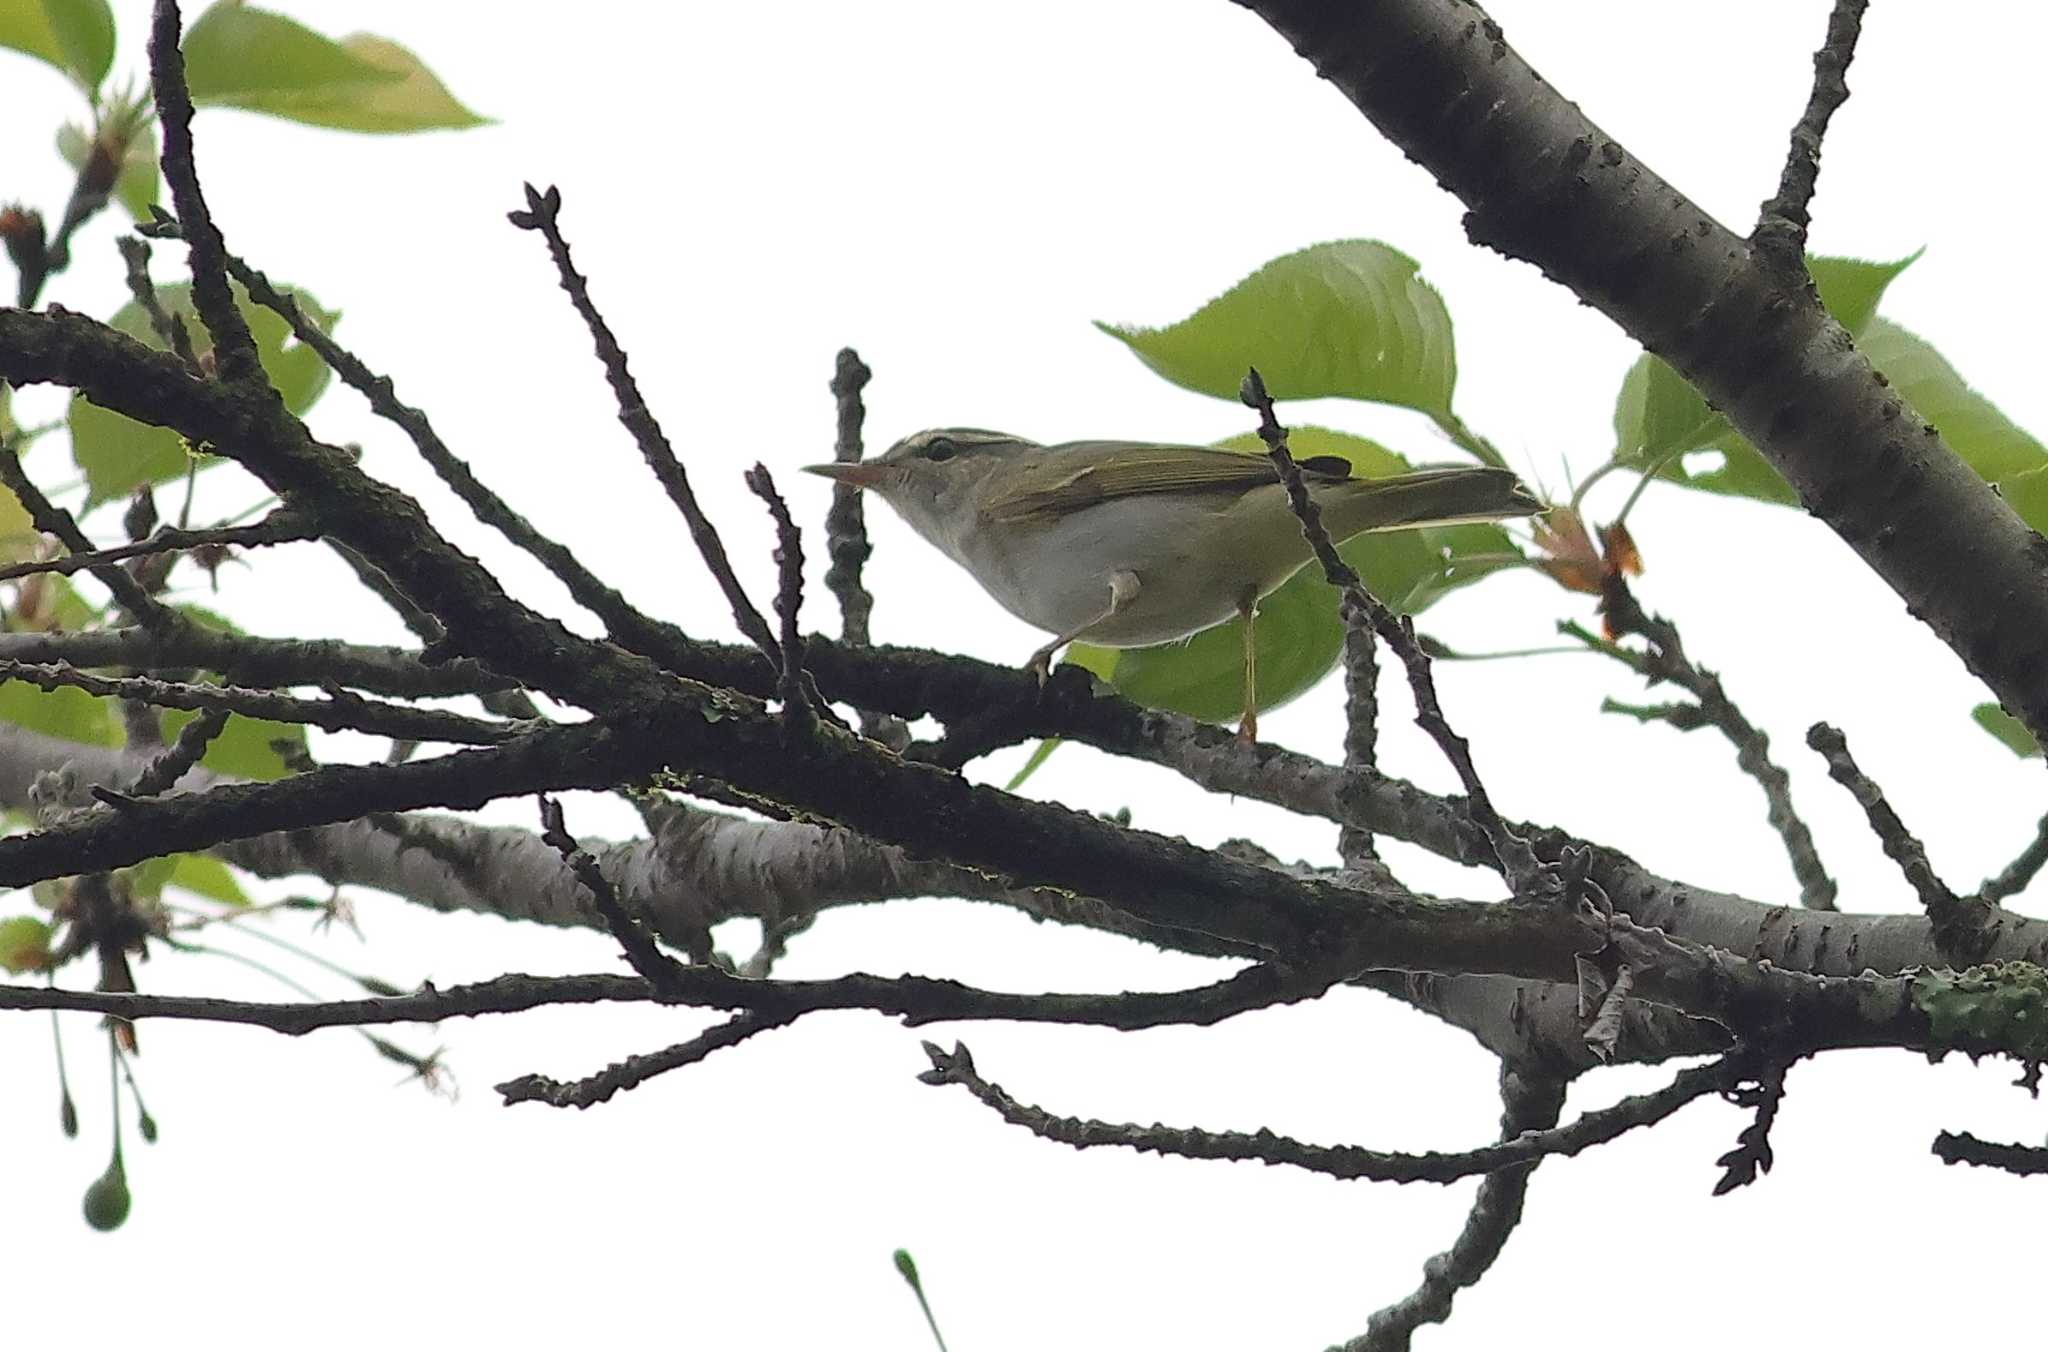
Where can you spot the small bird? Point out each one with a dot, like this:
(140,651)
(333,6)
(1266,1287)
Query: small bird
(1131,543)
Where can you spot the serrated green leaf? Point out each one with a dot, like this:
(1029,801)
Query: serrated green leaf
(1298,635)
(2007,729)
(1987,440)
(243,747)
(24,944)
(1851,288)
(75,36)
(1351,319)
(248,58)
(119,455)
(65,713)
(1660,420)
(206,876)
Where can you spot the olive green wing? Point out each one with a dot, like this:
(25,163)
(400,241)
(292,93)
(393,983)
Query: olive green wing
(1082,473)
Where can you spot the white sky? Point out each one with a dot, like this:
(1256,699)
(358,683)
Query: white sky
(958,190)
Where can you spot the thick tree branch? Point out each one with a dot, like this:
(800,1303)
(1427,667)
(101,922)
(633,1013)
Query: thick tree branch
(1545,185)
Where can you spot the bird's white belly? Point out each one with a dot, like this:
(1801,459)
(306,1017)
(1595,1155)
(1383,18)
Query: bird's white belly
(1193,558)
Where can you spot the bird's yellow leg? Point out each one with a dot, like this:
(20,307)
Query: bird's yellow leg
(1123,589)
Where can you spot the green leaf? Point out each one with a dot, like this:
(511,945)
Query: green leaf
(1851,288)
(75,36)
(1659,419)
(146,880)
(243,747)
(1986,439)
(1297,633)
(1352,319)
(2007,729)
(66,713)
(263,62)
(24,944)
(206,876)
(120,455)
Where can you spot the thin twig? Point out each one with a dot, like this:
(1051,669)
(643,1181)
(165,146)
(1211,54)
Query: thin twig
(1514,860)
(1342,1162)
(54,520)
(916,1000)
(283,526)
(790,682)
(340,712)
(234,348)
(1666,660)
(1960,1147)
(622,621)
(635,1071)
(543,214)
(170,765)
(1780,234)
(167,326)
(1531,1100)
(1361,724)
(2014,877)
(846,532)
(1964,927)
(655,967)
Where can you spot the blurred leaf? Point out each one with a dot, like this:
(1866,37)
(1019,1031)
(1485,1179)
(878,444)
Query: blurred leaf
(75,36)
(24,944)
(266,63)
(146,880)
(1352,319)
(65,713)
(206,876)
(243,748)
(119,455)
(2006,729)
(1298,635)
(1660,419)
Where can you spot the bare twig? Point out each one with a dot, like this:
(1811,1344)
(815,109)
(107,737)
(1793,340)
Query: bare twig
(1752,1153)
(2014,877)
(1780,234)
(1963,926)
(1361,723)
(790,682)
(283,526)
(1531,1100)
(1512,856)
(1343,1162)
(234,348)
(168,326)
(341,711)
(655,967)
(846,533)
(170,765)
(622,620)
(635,1071)
(1960,1147)
(1666,660)
(542,213)
(54,520)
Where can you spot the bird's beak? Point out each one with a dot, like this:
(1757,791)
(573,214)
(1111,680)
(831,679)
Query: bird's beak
(854,474)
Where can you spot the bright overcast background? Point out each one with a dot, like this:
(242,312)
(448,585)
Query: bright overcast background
(957,190)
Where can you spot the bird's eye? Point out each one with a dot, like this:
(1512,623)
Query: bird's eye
(941,448)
